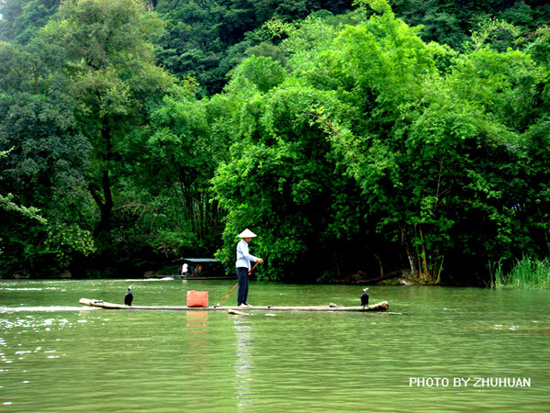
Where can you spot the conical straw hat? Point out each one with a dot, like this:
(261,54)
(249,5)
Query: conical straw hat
(247,234)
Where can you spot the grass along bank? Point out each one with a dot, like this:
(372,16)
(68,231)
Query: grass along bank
(526,273)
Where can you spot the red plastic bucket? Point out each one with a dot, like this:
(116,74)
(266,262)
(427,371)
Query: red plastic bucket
(197,298)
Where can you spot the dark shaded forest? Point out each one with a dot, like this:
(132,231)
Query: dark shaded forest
(359,141)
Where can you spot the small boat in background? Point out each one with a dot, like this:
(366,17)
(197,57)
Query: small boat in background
(201,269)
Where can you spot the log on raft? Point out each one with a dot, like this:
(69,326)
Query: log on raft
(382,306)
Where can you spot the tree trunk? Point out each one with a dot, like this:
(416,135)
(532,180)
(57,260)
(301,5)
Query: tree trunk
(105,204)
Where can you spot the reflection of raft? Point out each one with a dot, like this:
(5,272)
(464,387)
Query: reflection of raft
(382,306)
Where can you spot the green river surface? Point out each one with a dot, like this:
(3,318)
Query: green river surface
(59,356)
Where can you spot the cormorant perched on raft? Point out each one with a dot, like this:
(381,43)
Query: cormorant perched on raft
(129,297)
(364,298)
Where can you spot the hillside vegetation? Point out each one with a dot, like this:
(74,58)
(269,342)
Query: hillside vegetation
(357,140)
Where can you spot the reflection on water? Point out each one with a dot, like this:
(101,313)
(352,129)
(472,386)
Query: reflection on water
(243,364)
(196,341)
(56,356)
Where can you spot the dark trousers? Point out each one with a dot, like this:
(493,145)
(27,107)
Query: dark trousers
(242,274)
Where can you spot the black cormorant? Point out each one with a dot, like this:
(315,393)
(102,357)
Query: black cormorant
(129,297)
(364,298)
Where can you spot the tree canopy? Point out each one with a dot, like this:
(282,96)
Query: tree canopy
(387,137)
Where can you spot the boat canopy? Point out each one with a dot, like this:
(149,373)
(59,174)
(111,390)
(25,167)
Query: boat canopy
(195,261)
(200,260)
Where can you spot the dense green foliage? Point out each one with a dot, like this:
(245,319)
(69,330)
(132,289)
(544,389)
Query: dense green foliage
(352,141)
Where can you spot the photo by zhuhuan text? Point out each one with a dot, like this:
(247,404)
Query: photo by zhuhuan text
(474,382)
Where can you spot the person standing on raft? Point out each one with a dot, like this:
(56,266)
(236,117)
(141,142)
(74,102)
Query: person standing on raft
(243,266)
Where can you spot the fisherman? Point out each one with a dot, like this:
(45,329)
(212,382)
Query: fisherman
(243,266)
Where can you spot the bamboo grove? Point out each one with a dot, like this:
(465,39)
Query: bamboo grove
(356,140)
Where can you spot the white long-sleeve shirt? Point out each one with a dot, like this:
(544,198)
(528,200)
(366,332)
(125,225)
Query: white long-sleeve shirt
(243,256)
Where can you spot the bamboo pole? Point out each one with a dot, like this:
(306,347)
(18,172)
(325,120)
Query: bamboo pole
(234,288)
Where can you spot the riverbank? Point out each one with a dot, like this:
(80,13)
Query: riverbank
(525,273)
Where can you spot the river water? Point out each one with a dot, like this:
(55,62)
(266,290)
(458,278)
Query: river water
(438,349)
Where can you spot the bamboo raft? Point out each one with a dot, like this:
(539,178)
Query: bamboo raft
(382,306)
